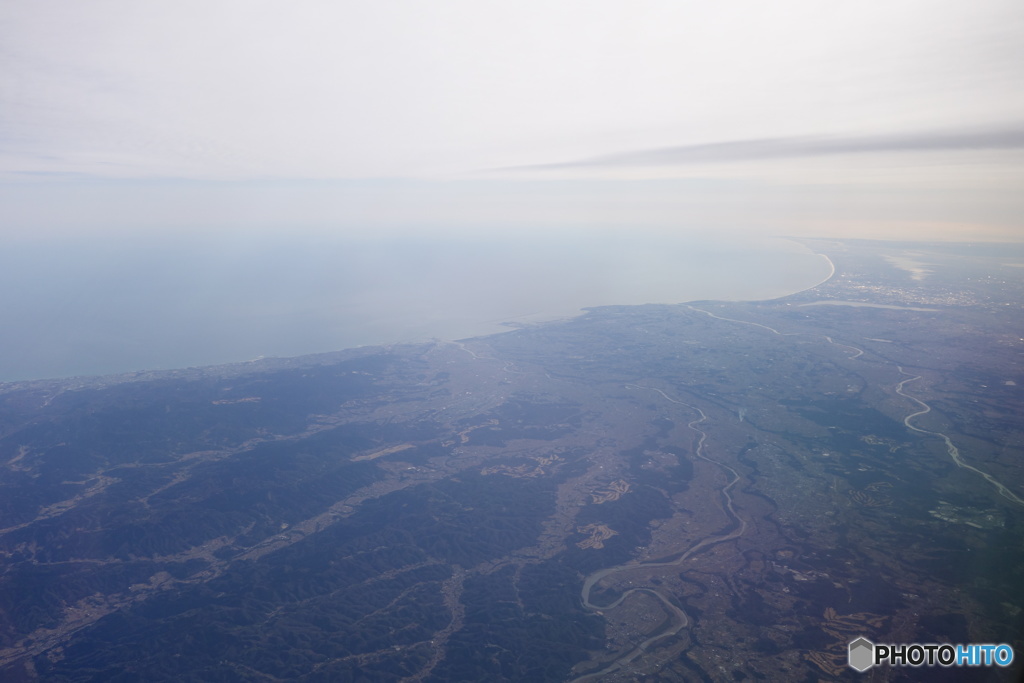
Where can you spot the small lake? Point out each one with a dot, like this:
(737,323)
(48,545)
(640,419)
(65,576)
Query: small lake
(103,307)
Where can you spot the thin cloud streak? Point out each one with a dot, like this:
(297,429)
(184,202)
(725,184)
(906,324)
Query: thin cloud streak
(801,147)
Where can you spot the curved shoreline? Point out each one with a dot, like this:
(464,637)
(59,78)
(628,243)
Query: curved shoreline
(541,319)
(558,285)
(832,273)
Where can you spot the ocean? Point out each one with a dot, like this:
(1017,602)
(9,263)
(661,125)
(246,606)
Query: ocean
(109,306)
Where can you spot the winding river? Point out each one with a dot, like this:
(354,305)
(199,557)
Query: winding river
(678,618)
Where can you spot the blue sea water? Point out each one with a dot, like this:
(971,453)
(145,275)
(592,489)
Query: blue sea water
(88,308)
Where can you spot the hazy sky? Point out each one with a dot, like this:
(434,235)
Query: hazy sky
(899,118)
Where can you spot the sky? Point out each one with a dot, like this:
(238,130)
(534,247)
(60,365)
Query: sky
(896,119)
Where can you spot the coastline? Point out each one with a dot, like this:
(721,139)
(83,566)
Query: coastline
(831,264)
(832,273)
(468,307)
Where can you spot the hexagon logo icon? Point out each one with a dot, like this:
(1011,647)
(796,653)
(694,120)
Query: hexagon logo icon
(862,654)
